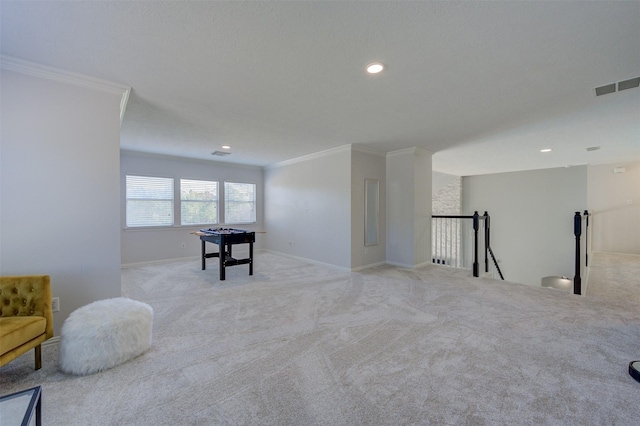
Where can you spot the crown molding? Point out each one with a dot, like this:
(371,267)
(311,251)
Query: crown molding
(343,148)
(367,150)
(410,151)
(33,69)
(308,157)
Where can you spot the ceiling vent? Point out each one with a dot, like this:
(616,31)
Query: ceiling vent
(593,148)
(629,84)
(220,153)
(622,85)
(603,90)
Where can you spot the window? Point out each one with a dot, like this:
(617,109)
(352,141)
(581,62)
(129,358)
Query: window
(198,202)
(239,202)
(149,201)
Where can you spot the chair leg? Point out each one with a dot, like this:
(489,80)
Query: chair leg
(38,357)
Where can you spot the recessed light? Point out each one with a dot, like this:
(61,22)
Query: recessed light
(226,147)
(375,67)
(546,150)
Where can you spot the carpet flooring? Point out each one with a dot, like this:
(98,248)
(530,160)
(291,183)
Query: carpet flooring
(303,344)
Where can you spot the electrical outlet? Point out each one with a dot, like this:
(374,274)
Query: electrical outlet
(182,245)
(55,304)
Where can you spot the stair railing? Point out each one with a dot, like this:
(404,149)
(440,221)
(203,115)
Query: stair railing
(448,242)
(577,232)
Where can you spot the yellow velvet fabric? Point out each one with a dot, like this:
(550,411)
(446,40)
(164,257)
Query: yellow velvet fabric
(15,331)
(26,318)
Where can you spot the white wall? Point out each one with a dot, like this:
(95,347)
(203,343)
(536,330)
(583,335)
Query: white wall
(531,219)
(147,245)
(409,193)
(614,224)
(366,165)
(308,209)
(59,184)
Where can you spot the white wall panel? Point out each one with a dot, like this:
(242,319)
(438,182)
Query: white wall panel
(59,213)
(308,209)
(614,201)
(531,219)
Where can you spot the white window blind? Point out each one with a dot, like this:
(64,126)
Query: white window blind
(198,202)
(149,201)
(239,202)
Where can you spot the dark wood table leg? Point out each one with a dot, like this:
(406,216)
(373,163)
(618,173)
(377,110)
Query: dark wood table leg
(204,258)
(251,258)
(221,250)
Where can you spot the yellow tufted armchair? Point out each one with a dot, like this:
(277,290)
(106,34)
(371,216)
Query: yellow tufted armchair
(26,318)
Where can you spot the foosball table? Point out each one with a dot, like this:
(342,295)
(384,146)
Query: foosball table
(226,238)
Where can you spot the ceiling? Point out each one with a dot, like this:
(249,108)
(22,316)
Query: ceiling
(483,85)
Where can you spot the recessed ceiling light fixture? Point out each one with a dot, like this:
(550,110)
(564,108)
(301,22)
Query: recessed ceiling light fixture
(546,150)
(375,67)
(226,147)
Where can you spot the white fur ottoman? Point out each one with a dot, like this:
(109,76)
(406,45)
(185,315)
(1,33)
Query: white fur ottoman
(104,334)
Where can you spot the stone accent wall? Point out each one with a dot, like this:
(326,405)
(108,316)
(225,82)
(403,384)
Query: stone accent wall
(447,194)
(446,234)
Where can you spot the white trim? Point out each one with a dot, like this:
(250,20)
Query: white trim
(50,342)
(414,151)
(367,150)
(304,259)
(401,265)
(155,262)
(371,265)
(310,156)
(11,63)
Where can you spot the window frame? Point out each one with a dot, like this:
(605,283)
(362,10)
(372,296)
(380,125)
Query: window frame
(254,203)
(216,202)
(128,198)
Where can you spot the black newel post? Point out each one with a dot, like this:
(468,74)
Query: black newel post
(476,226)
(577,231)
(586,239)
(487,226)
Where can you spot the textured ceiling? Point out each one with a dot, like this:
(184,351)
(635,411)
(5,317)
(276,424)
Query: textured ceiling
(483,85)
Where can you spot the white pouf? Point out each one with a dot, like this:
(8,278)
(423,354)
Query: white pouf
(104,334)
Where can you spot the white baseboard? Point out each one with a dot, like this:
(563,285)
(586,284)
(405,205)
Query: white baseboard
(55,340)
(155,262)
(304,259)
(371,265)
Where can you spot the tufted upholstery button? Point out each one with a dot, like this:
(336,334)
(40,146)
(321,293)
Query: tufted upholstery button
(24,302)
(15,312)
(15,291)
(31,312)
(7,302)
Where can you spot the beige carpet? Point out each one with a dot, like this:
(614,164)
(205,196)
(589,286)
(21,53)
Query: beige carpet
(301,344)
(615,277)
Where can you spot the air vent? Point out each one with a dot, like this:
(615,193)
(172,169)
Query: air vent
(603,90)
(593,148)
(622,85)
(220,153)
(629,84)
